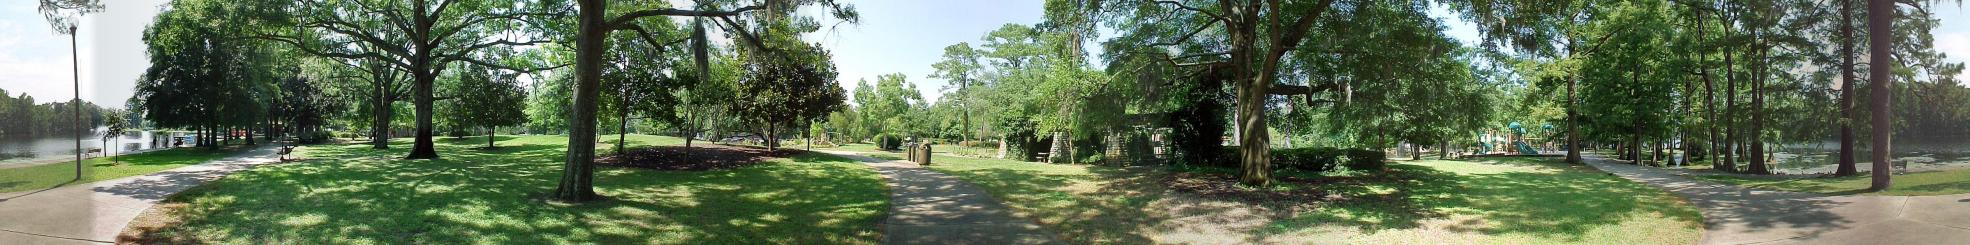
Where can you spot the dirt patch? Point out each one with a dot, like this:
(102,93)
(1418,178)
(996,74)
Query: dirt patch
(143,229)
(1220,186)
(696,158)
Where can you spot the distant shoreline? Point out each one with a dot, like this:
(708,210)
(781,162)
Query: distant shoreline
(16,163)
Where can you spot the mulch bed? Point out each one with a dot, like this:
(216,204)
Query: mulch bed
(701,157)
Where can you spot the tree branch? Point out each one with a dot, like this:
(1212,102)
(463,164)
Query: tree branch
(1299,29)
(1289,89)
(344,28)
(632,16)
(477,19)
(1180,5)
(749,38)
(298,45)
(450,58)
(652,39)
(1186,37)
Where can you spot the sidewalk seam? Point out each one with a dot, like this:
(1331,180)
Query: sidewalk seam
(56,237)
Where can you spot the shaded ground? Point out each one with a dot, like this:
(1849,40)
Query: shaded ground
(1739,215)
(1487,201)
(699,157)
(928,207)
(356,195)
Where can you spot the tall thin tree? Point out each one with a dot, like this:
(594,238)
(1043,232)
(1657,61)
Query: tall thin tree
(1880,22)
(1847,116)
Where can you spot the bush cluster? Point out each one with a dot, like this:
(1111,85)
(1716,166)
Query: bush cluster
(315,137)
(1315,159)
(889,142)
(1318,159)
(1364,159)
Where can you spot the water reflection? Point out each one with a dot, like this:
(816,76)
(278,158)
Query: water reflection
(21,150)
(1818,158)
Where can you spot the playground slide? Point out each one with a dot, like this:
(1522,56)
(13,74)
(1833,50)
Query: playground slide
(1525,149)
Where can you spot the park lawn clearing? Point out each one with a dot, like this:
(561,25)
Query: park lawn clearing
(102,168)
(350,194)
(1481,201)
(1931,183)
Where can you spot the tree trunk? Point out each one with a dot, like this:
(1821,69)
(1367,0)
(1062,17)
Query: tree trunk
(422,147)
(1709,100)
(578,174)
(1757,133)
(491,134)
(622,130)
(380,136)
(1846,156)
(1415,152)
(1657,156)
(1572,123)
(1444,152)
(1731,146)
(1879,21)
(1254,153)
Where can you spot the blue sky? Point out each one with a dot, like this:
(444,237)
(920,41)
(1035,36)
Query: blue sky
(894,36)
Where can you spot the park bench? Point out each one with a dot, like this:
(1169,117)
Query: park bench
(284,150)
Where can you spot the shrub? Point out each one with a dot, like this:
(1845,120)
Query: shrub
(889,142)
(1366,160)
(972,143)
(315,137)
(1319,159)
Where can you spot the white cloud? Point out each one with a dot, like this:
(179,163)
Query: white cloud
(25,67)
(1957,46)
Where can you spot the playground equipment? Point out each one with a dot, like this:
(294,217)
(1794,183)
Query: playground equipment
(1519,139)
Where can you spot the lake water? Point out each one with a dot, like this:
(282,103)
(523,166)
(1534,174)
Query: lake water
(22,150)
(1817,158)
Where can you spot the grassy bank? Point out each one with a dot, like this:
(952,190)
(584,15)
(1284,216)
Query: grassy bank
(1915,184)
(353,194)
(105,168)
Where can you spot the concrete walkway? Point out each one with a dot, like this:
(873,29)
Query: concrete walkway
(927,207)
(1738,215)
(94,213)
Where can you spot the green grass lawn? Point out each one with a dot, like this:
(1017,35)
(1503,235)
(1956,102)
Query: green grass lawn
(102,168)
(1915,184)
(350,194)
(1484,201)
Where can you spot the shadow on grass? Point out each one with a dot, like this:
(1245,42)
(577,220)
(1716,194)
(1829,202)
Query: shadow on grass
(1546,200)
(352,194)
(1561,204)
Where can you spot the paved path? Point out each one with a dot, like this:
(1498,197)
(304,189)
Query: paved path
(1737,215)
(94,213)
(927,207)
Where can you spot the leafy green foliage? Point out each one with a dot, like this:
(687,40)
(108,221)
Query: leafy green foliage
(21,116)
(487,100)
(783,90)
(1365,160)
(1317,159)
